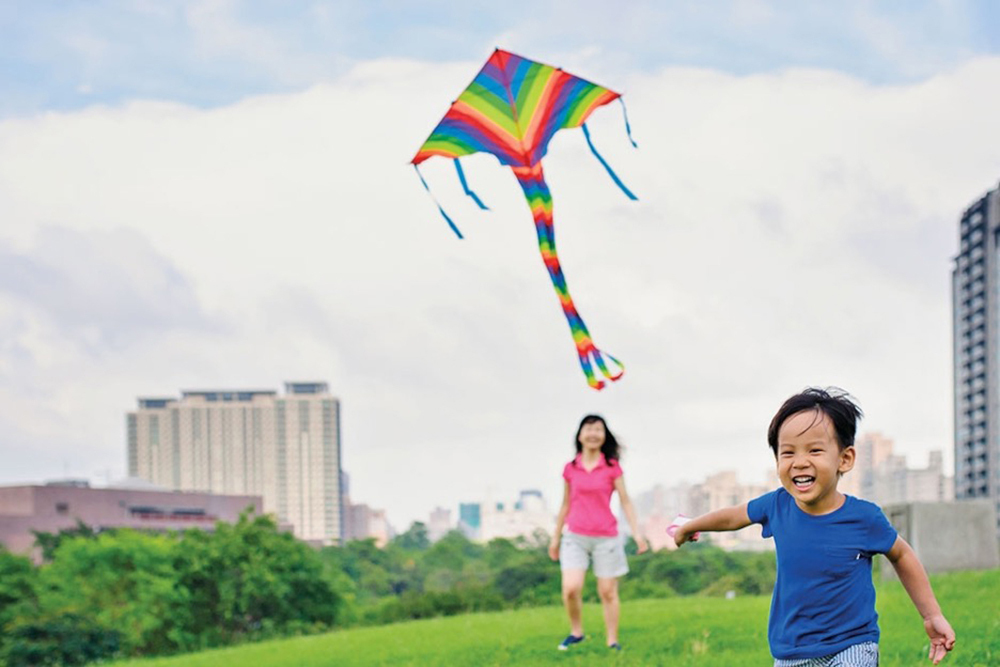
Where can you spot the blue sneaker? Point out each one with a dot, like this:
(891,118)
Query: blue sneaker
(569,641)
(615,647)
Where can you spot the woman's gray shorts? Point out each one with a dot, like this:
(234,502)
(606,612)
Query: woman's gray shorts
(859,655)
(608,553)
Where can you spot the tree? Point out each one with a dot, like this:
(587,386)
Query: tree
(451,552)
(17,576)
(122,581)
(250,580)
(49,542)
(414,539)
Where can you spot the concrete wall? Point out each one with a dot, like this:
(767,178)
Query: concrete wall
(949,536)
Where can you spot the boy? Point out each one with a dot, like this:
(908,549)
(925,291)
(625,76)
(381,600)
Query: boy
(823,605)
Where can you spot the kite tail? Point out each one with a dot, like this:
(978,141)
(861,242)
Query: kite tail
(536,191)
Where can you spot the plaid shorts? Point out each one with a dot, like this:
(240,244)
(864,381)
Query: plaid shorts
(859,655)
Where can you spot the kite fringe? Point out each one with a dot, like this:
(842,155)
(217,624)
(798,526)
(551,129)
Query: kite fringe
(611,172)
(628,128)
(434,199)
(465,186)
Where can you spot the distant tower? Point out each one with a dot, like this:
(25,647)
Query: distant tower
(976,318)
(283,448)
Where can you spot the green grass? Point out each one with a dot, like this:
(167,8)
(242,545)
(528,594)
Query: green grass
(675,631)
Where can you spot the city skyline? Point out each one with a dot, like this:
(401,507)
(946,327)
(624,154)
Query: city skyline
(203,194)
(878,475)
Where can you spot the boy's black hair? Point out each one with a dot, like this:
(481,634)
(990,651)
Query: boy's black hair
(835,403)
(611,449)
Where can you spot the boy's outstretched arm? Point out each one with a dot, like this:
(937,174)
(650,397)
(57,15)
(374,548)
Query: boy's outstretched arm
(914,579)
(728,518)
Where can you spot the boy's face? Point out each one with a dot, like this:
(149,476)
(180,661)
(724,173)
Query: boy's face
(810,461)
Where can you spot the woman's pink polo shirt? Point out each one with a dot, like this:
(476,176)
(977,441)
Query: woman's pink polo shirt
(590,497)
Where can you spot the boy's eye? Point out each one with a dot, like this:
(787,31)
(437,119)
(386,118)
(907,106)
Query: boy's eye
(816,450)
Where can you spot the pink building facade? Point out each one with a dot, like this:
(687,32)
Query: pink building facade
(54,507)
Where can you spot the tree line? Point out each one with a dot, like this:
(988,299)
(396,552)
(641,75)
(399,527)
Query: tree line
(118,593)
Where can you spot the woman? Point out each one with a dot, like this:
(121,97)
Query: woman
(591,528)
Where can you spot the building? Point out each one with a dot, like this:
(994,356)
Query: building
(724,489)
(883,477)
(527,517)
(657,508)
(130,504)
(976,332)
(363,522)
(439,524)
(284,448)
(469,520)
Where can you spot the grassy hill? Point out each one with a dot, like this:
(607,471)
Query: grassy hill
(676,631)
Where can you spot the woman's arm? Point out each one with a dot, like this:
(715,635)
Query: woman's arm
(914,579)
(640,541)
(728,518)
(560,520)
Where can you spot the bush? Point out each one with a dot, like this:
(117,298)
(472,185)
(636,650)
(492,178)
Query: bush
(64,641)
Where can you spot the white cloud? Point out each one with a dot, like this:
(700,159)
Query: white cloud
(794,228)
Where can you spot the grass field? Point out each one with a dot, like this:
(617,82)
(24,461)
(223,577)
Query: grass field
(676,631)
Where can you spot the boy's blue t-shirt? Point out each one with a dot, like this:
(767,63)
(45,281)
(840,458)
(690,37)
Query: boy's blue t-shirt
(824,598)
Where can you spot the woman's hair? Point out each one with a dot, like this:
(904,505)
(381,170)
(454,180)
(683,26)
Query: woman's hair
(611,449)
(835,403)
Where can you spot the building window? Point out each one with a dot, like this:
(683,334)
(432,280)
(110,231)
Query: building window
(62,508)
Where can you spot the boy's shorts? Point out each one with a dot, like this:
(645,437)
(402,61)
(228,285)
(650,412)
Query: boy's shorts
(608,554)
(859,655)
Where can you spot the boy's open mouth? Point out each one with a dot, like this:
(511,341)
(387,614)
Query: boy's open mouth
(803,482)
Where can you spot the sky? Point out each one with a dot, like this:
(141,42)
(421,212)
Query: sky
(212,194)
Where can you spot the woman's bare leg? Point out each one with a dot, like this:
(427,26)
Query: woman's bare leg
(607,589)
(572,594)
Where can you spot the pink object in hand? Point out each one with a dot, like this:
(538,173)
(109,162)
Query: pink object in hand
(677,523)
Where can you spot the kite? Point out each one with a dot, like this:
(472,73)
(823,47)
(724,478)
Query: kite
(512,109)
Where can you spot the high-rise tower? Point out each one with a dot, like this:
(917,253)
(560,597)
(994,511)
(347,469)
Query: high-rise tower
(976,318)
(284,448)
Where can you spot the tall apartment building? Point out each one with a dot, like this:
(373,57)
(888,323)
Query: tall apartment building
(284,448)
(976,322)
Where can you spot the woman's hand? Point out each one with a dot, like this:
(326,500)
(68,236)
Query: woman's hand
(554,548)
(641,545)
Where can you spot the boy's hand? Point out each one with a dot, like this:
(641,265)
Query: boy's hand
(681,535)
(676,531)
(942,637)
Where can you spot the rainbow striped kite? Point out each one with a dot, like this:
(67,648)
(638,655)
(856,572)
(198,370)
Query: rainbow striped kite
(512,109)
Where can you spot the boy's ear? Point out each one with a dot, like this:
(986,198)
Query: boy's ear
(847,460)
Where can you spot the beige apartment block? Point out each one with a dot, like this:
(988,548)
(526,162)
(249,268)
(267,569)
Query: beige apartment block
(284,448)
